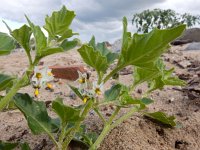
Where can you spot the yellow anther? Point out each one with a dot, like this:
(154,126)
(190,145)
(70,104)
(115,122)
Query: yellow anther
(50,86)
(36,92)
(38,75)
(85,100)
(82,80)
(49,74)
(98,91)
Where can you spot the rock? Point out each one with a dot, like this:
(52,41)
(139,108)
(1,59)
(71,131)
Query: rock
(126,71)
(193,46)
(69,73)
(107,44)
(185,63)
(116,46)
(192,34)
(181,42)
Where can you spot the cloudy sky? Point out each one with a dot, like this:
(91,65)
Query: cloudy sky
(101,18)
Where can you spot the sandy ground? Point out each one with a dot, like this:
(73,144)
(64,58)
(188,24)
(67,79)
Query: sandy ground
(136,133)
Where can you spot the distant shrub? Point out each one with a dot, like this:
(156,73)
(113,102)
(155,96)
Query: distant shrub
(162,19)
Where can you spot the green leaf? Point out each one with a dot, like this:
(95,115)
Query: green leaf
(97,56)
(68,45)
(35,113)
(51,50)
(162,118)
(158,78)
(76,91)
(5,82)
(142,50)
(92,42)
(88,138)
(84,136)
(168,79)
(111,57)
(101,47)
(126,40)
(9,29)
(7,145)
(141,75)
(113,93)
(22,35)
(7,44)
(40,38)
(58,23)
(146,101)
(165,78)
(66,113)
(66,35)
(10,105)
(126,101)
(93,58)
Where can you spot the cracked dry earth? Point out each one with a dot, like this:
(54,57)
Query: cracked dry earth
(136,133)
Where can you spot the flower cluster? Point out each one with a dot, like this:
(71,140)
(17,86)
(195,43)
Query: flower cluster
(41,79)
(87,88)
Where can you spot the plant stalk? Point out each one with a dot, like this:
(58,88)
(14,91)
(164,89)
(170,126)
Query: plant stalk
(105,131)
(29,58)
(77,125)
(109,126)
(103,134)
(109,76)
(62,134)
(124,117)
(4,101)
(100,115)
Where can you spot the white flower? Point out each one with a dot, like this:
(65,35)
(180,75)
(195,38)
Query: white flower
(82,80)
(86,95)
(97,89)
(82,77)
(41,78)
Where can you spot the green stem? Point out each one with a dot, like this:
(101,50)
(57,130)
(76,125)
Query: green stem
(100,115)
(114,114)
(124,117)
(99,77)
(4,101)
(132,87)
(62,134)
(105,131)
(112,73)
(36,61)
(97,143)
(58,146)
(77,125)
(29,58)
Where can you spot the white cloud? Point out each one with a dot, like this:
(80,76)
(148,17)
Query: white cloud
(189,6)
(35,9)
(101,18)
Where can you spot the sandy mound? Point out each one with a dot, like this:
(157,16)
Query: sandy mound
(135,133)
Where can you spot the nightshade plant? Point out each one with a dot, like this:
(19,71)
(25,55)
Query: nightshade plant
(141,51)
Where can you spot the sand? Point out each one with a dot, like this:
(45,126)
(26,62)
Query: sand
(136,133)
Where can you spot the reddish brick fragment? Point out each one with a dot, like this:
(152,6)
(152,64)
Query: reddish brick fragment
(69,73)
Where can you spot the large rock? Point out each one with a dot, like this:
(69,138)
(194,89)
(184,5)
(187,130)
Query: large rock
(116,46)
(189,36)
(193,46)
(192,35)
